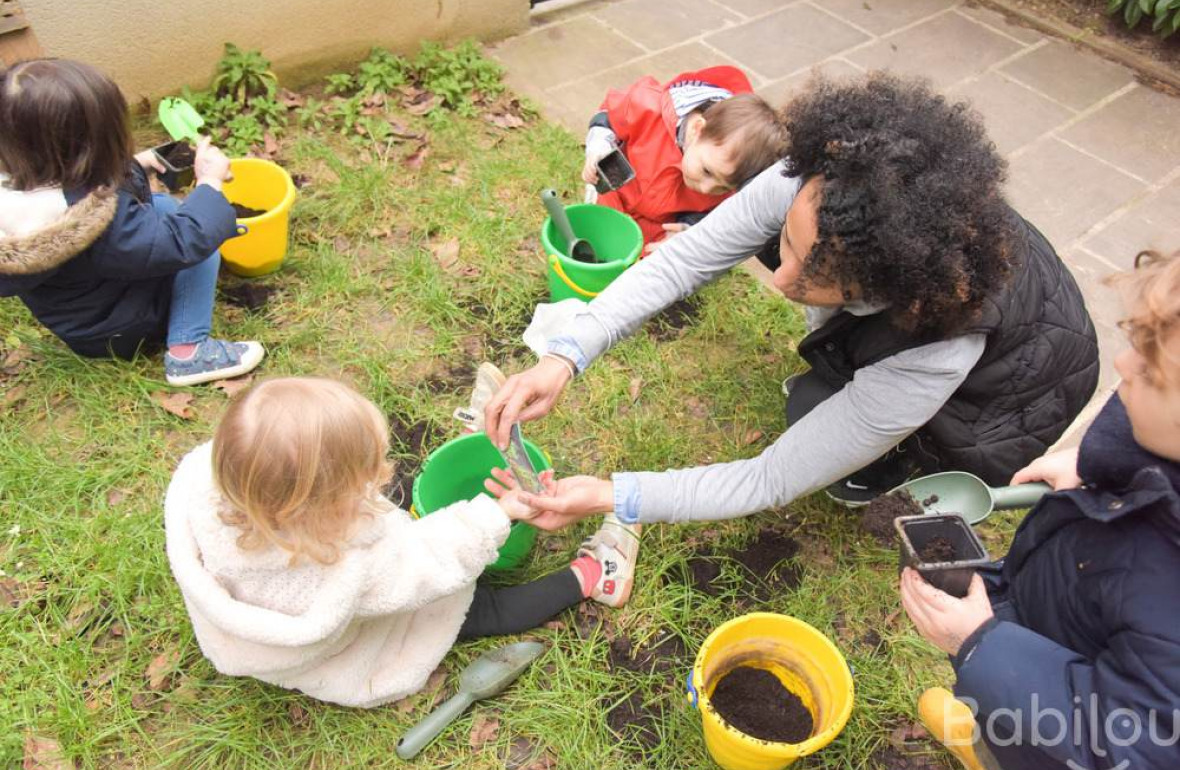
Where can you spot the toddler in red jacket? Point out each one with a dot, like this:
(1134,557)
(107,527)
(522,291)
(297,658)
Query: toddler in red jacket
(691,141)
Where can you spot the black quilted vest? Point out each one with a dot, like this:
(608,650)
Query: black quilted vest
(1037,372)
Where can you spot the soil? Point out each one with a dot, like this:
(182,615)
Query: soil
(938,550)
(664,652)
(181,156)
(890,758)
(400,489)
(767,561)
(415,438)
(754,701)
(930,501)
(245,212)
(455,377)
(878,516)
(674,319)
(1088,15)
(250,296)
(632,721)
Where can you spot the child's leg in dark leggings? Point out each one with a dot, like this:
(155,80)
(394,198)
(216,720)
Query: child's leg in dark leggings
(510,610)
(193,290)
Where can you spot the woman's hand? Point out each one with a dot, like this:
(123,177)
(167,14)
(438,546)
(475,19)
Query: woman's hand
(525,396)
(510,496)
(1059,470)
(940,618)
(211,167)
(563,503)
(149,161)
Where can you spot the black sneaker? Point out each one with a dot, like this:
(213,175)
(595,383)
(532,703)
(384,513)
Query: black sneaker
(877,478)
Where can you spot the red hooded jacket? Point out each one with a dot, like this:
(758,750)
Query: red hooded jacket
(644,120)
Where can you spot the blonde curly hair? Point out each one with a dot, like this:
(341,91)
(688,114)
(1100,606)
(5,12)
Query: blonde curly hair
(299,461)
(1152,295)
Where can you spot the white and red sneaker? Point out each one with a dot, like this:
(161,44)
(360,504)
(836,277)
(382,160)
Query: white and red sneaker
(615,546)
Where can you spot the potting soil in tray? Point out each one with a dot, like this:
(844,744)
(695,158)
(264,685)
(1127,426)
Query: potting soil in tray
(245,212)
(938,550)
(181,155)
(754,701)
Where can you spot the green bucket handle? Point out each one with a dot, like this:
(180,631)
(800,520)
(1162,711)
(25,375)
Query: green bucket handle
(555,266)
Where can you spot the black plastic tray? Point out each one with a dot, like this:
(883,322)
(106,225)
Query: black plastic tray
(175,178)
(953,577)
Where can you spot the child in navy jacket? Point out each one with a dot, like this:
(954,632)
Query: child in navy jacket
(106,265)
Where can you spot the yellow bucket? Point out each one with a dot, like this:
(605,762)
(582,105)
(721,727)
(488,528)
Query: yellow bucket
(261,244)
(803,659)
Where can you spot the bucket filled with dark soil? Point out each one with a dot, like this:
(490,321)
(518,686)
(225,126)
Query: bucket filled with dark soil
(770,689)
(262,194)
(944,550)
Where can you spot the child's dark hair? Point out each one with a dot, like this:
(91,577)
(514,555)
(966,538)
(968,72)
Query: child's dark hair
(62,124)
(763,133)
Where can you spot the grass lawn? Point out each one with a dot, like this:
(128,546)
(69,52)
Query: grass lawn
(98,655)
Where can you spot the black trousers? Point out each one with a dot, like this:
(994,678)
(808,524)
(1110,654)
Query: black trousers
(510,610)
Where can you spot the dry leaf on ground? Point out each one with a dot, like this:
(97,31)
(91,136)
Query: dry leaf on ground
(484,729)
(446,253)
(423,103)
(179,404)
(232,387)
(752,437)
(15,395)
(504,120)
(416,158)
(291,99)
(115,496)
(44,754)
(634,388)
(160,668)
(270,145)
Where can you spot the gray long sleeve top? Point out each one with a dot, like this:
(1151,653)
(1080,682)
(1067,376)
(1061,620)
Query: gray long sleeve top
(884,403)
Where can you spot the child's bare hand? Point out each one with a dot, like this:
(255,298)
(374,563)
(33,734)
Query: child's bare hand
(590,171)
(1059,470)
(671,230)
(503,485)
(211,167)
(148,161)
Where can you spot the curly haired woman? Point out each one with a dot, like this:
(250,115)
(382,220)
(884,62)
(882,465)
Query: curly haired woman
(945,331)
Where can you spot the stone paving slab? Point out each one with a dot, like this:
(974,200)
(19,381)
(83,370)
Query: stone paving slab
(1094,157)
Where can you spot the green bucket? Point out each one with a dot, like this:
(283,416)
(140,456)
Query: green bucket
(456,471)
(616,238)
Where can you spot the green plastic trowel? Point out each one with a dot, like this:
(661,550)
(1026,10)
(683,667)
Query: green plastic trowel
(488,675)
(180,119)
(966,493)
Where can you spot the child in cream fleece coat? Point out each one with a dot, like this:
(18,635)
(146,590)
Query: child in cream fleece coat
(297,572)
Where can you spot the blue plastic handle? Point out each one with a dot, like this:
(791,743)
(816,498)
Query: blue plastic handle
(692,691)
(242,229)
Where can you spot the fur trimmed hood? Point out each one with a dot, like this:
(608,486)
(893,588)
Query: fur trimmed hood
(64,237)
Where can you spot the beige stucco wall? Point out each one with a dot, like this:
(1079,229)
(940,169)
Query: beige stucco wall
(152,47)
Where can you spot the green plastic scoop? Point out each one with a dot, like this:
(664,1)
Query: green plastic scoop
(180,120)
(966,493)
(488,675)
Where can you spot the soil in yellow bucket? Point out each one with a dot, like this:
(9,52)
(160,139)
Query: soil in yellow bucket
(245,212)
(755,702)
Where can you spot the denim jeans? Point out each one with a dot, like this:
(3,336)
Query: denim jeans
(190,315)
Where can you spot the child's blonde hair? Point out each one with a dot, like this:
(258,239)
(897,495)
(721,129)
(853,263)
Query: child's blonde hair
(1153,302)
(299,460)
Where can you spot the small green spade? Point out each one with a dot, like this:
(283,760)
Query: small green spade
(180,120)
(966,493)
(486,676)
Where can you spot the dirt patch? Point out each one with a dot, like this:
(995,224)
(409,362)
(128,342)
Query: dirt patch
(938,550)
(400,489)
(754,701)
(245,212)
(891,758)
(674,319)
(1088,15)
(766,563)
(452,378)
(414,438)
(664,652)
(635,723)
(878,516)
(248,296)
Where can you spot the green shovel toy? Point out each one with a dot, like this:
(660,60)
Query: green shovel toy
(180,120)
(488,675)
(966,493)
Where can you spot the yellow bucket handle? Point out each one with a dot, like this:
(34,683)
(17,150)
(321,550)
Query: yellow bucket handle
(555,265)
